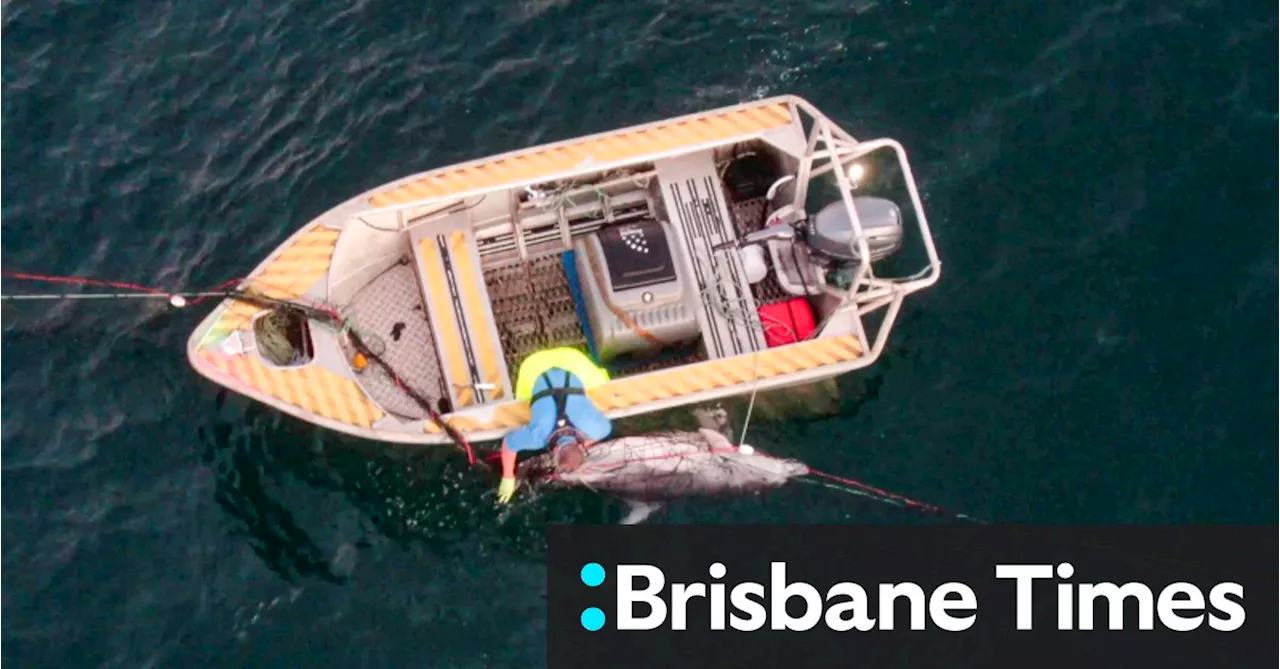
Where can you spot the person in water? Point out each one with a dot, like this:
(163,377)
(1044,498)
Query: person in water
(560,413)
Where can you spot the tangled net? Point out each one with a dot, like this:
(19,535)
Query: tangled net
(663,465)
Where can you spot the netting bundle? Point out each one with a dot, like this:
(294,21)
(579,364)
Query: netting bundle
(664,465)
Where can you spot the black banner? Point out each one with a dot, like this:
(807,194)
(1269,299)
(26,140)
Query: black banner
(911,596)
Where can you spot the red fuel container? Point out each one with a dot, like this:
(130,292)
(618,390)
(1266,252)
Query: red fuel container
(786,322)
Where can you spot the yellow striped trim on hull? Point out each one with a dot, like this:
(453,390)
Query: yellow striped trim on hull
(619,147)
(288,276)
(311,388)
(686,380)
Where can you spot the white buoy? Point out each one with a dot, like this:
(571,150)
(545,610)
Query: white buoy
(746,450)
(178,301)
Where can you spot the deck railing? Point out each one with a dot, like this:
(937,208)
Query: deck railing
(830,149)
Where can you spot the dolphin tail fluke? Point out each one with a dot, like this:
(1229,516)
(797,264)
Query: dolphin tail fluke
(638,512)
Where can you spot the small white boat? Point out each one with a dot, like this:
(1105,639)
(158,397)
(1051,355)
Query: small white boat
(697,258)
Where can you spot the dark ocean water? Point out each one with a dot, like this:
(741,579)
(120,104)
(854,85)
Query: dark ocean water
(1100,178)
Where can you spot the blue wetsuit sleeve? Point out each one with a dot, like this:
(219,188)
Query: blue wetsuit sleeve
(587,418)
(527,438)
(542,422)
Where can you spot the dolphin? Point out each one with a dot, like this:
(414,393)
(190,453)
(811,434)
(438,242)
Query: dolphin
(645,470)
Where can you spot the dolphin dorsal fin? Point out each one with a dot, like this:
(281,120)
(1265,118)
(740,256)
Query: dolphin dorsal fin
(716,439)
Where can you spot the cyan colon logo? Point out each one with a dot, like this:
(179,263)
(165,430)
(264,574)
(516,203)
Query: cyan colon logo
(592,576)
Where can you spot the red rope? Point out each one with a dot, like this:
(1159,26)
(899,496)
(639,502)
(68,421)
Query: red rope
(225,285)
(465,443)
(859,485)
(83,282)
(137,287)
(870,489)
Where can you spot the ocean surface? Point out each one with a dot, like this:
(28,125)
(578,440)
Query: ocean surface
(1102,347)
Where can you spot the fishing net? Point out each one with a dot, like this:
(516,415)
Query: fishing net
(283,313)
(663,465)
(282,337)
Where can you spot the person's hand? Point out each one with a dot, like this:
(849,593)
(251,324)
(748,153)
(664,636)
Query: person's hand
(506,489)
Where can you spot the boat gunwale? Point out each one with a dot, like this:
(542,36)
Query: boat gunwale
(577,170)
(429,437)
(413,433)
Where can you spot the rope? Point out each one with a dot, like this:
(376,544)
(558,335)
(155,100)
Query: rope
(741,315)
(177,299)
(618,311)
(318,312)
(858,487)
(103,296)
(820,478)
(327,315)
(331,317)
(83,282)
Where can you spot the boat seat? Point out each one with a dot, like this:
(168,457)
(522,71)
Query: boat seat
(457,302)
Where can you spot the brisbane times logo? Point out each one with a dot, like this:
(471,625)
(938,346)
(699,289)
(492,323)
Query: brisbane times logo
(646,601)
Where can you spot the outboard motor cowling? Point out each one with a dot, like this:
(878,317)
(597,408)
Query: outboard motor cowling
(830,232)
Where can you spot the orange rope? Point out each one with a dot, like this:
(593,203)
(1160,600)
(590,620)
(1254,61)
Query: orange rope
(617,311)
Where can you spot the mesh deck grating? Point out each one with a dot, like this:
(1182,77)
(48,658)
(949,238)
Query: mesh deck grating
(533,308)
(748,215)
(389,315)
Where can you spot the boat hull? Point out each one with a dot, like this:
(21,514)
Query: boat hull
(457,351)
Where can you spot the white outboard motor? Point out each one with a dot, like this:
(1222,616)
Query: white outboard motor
(830,232)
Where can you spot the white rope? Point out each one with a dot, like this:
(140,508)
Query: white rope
(741,315)
(176,299)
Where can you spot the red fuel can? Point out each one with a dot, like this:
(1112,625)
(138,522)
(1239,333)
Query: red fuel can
(786,322)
